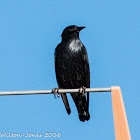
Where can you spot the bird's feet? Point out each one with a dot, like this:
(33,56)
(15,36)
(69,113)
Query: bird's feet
(82,90)
(55,91)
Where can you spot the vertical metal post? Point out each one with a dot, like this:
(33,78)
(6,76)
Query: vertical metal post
(120,119)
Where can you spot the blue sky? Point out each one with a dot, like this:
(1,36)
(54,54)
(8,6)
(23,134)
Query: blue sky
(29,33)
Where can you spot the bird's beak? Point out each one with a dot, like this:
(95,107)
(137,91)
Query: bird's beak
(80,28)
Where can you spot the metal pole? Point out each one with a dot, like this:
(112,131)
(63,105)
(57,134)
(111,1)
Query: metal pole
(120,119)
(50,91)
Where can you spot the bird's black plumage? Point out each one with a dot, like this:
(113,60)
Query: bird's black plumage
(72,69)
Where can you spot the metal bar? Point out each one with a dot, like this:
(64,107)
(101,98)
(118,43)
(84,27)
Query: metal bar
(50,91)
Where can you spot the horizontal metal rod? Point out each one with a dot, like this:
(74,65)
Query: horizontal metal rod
(50,91)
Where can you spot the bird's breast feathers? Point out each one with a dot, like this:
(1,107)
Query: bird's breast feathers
(75,45)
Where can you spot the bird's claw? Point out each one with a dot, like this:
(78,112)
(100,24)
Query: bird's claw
(55,91)
(82,90)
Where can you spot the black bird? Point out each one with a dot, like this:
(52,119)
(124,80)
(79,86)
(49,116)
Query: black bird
(72,69)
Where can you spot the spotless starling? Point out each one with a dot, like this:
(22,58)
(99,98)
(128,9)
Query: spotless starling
(72,70)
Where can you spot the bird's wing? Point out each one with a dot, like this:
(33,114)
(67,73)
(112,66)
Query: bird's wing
(59,77)
(87,71)
(66,103)
(87,77)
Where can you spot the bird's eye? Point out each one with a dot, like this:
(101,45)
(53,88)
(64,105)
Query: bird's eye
(72,32)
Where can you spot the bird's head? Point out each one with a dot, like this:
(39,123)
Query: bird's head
(71,32)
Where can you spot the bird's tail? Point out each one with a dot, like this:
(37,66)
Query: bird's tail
(82,106)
